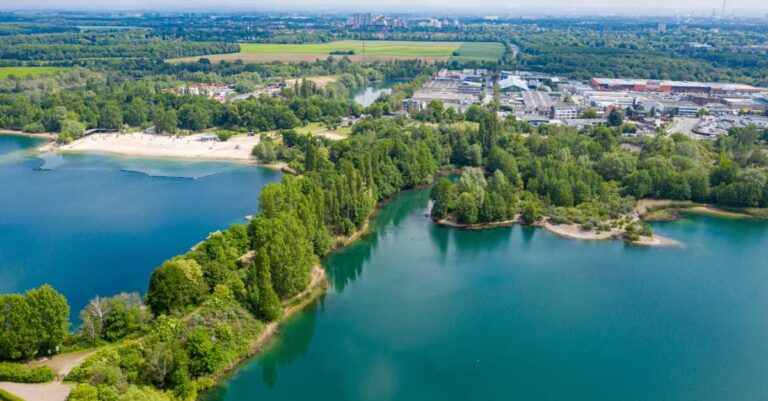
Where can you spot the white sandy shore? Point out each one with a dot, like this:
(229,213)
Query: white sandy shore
(573,231)
(140,144)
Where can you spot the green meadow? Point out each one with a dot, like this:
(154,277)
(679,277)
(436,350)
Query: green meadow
(26,71)
(369,50)
(480,51)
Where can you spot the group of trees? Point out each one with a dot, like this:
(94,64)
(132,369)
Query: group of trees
(584,51)
(152,102)
(587,178)
(208,304)
(32,324)
(69,47)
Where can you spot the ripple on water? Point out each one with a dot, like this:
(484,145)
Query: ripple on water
(153,167)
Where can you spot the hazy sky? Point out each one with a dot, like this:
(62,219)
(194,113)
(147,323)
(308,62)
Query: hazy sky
(391,5)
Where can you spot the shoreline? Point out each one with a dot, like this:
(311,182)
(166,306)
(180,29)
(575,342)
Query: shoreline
(138,145)
(669,210)
(43,135)
(295,305)
(567,231)
(316,289)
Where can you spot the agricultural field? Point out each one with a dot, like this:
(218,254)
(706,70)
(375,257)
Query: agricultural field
(26,71)
(373,50)
(490,51)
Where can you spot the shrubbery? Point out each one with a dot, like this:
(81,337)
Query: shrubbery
(17,373)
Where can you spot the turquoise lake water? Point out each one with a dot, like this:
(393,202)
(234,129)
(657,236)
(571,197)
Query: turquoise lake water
(92,224)
(419,312)
(416,311)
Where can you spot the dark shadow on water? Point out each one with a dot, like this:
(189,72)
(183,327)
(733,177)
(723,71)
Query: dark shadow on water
(345,266)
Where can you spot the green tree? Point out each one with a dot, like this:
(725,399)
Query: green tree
(489,131)
(18,336)
(111,116)
(136,112)
(194,117)
(70,130)
(531,212)
(466,209)
(84,392)
(176,285)
(442,195)
(262,299)
(203,356)
(615,118)
(589,113)
(616,165)
(165,121)
(435,110)
(288,248)
(50,315)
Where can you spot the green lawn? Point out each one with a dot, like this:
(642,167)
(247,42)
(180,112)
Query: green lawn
(480,51)
(26,71)
(368,47)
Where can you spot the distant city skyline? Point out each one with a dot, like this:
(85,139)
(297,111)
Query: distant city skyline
(649,7)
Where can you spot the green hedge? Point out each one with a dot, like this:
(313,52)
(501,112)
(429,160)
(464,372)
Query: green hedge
(13,372)
(6,396)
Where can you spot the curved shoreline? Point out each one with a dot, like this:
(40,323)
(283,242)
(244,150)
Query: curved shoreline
(568,231)
(43,135)
(671,210)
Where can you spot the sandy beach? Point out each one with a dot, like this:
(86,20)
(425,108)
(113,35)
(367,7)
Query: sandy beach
(140,144)
(574,231)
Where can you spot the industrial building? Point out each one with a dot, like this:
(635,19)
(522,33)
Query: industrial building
(644,85)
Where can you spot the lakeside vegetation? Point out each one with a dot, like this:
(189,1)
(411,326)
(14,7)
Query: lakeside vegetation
(205,309)
(585,178)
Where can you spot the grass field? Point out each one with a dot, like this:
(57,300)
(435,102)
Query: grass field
(26,71)
(480,51)
(370,50)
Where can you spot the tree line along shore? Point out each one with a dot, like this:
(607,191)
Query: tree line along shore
(204,309)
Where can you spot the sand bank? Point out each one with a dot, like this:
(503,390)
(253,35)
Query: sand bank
(574,231)
(139,144)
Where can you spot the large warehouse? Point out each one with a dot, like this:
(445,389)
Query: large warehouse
(644,85)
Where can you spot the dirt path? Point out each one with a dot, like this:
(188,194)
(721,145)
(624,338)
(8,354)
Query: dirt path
(62,364)
(56,390)
(53,391)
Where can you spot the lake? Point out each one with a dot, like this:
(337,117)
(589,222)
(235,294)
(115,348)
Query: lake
(366,95)
(91,224)
(420,312)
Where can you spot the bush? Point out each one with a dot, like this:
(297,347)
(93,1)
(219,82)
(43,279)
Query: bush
(12,372)
(84,392)
(531,213)
(33,128)
(6,396)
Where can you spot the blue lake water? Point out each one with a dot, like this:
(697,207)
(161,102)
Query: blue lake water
(420,312)
(92,224)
